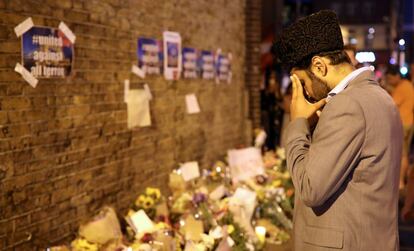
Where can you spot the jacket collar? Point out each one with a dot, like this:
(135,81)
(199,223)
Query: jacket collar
(354,77)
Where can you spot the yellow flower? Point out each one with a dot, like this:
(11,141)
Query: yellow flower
(286,175)
(261,194)
(135,246)
(148,203)
(277,183)
(230,229)
(83,244)
(153,192)
(161,225)
(140,201)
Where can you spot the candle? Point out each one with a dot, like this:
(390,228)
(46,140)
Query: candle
(261,233)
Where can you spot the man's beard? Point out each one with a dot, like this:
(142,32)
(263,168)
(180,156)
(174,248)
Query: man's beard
(320,88)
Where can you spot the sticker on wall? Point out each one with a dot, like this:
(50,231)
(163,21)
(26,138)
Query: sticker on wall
(190,69)
(206,62)
(172,55)
(46,52)
(222,67)
(150,55)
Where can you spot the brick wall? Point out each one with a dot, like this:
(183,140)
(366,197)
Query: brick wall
(65,149)
(253,74)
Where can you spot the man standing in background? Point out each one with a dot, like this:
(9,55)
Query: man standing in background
(403,95)
(351,52)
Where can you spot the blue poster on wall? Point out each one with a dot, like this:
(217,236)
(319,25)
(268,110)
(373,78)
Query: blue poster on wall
(47,53)
(150,55)
(206,62)
(223,68)
(190,66)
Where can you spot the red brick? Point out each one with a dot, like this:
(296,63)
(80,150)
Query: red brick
(67,142)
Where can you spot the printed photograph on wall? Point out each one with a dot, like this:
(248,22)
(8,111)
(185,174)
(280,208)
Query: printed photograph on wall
(47,52)
(172,60)
(190,66)
(172,55)
(150,55)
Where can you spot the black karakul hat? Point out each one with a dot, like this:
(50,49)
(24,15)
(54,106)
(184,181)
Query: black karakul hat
(308,36)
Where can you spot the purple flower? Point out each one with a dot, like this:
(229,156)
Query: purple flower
(199,198)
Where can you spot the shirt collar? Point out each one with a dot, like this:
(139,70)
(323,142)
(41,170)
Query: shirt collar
(344,83)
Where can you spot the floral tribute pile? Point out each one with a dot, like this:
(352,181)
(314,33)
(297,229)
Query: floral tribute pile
(207,210)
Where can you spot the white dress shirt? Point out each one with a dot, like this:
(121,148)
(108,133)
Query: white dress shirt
(344,83)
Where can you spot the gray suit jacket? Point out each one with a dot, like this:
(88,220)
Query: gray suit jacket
(346,173)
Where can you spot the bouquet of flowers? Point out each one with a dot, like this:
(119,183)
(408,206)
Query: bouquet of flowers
(148,201)
(207,212)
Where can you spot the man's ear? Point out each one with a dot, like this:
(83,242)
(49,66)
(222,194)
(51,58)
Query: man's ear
(319,66)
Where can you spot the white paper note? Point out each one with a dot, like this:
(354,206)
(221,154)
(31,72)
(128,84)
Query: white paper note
(138,109)
(126,89)
(244,195)
(148,91)
(192,104)
(138,71)
(245,163)
(142,222)
(190,170)
(26,75)
(23,27)
(68,33)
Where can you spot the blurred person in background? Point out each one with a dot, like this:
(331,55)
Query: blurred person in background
(351,52)
(287,99)
(407,212)
(271,110)
(403,95)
